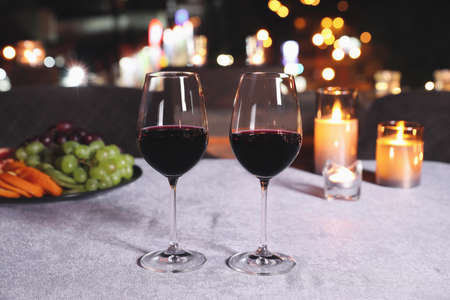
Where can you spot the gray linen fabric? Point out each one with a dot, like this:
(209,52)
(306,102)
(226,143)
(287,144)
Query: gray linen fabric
(392,244)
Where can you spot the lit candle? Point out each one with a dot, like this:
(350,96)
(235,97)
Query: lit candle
(342,182)
(342,176)
(399,154)
(335,133)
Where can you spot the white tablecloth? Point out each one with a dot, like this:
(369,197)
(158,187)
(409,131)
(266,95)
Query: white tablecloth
(392,244)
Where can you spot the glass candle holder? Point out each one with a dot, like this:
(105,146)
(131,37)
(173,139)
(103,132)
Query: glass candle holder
(387,82)
(335,127)
(341,182)
(399,154)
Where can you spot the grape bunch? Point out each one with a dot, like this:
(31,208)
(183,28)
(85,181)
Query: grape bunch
(79,167)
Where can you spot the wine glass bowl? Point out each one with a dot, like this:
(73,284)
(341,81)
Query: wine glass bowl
(266,136)
(172,137)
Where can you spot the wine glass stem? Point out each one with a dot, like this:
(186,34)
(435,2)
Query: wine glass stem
(263,238)
(173,242)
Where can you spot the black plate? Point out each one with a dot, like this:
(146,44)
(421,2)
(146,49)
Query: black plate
(137,172)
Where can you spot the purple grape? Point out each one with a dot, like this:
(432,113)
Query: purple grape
(74,137)
(61,139)
(64,126)
(87,139)
(46,139)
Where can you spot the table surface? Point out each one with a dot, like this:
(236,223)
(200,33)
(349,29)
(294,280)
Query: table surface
(392,244)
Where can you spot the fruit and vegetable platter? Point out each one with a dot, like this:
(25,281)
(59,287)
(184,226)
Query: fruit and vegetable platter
(63,162)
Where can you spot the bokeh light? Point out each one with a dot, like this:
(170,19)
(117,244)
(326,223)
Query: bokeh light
(317,39)
(2,74)
(262,34)
(429,85)
(9,52)
(354,53)
(329,40)
(290,50)
(338,22)
(293,69)
(283,11)
(181,16)
(76,76)
(338,54)
(225,60)
(326,33)
(328,74)
(365,37)
(49,62)
(267,43)
(274,5)
(300,23)
(326,22)
(342,6)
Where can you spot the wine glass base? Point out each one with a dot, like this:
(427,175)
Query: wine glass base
(251,263)
(163,262)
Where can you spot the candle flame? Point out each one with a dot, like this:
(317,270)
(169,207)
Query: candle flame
(336,111)
(400,128)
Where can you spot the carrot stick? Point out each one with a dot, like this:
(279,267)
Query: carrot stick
(13,165)
(20,183)
(8,194)
(43,180)
(7,186)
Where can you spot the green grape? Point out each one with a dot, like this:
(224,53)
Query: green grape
(91,184)
(116,177)
(102,185)
(33,160)
(69,147)
(95,145)
(113,151)
(120,161)
(127,172)
(34,147)
(107,181)
(82,152)
(80,175)
(21,154)
(102,154)
(69,163)
(97,172)
(129,159)
(109,166)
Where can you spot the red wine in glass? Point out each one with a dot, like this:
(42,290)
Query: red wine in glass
(172,137)
(266,136)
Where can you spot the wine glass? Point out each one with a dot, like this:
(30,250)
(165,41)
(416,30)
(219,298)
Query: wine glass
(172,137)
(266,136)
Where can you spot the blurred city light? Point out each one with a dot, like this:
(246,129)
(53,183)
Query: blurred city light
(338,22)
(310,2)
(300,84)
(317,39)
(274,5)
(326,22)
(225,60)
(76,76)
(262,34)
(293,68)
(329,40)
(338,54)
(60,61)
(49,62)
(283,11)
(155,32)
(326,33)
(365,37)
(342,6)
(328,74)
(396,90)
(300,23)
(429,85)
(181,16)
(354,53)
(267,43)
(290,50)
(9,52)
(2,74)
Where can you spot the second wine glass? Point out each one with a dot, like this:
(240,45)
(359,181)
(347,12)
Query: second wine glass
(265,135)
